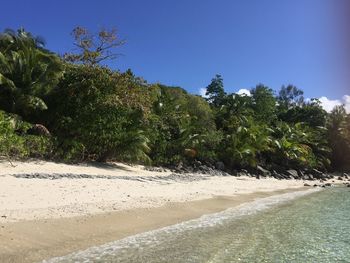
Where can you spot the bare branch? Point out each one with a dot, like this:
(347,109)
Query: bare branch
(94,48)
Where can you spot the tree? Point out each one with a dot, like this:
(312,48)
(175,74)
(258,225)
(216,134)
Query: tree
(264,103)
(93,49)
(168,124)
(244,142)
(290,96)
(338,137)
(28,72)
(93,118)
(215,91)
(235,106)
(299,145)
(310,112)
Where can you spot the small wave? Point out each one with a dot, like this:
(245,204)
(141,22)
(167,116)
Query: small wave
(155,237)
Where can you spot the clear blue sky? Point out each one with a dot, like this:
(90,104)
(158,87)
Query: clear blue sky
(186,42)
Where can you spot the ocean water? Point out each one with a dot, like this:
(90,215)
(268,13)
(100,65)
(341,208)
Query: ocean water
(306,226)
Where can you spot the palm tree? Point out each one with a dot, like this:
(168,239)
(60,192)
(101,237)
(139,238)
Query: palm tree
(27,72)
(338,137)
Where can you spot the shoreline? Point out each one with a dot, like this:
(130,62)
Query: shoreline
(37,240)
(73,207)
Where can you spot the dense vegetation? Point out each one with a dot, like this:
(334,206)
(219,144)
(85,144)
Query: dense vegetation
(74,109)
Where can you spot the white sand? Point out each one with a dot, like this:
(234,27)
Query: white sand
(27,199)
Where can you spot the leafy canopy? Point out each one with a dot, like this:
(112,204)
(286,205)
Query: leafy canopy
(28,72)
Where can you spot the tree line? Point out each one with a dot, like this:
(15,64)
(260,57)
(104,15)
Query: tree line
(72,108)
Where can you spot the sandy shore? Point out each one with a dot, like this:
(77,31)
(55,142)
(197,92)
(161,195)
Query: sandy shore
(42,218)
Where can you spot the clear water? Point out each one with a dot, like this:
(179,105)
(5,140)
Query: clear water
(308,226)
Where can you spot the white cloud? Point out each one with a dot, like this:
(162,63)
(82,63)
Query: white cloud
(243,92)
(328,104)
(346,100)
(202,92)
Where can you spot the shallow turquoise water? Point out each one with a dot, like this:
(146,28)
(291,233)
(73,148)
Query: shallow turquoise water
(294,227)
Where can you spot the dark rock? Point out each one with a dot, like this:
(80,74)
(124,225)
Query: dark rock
(187,169)
(197,163)
(327,184)
(153,169)
(317,174)
(263,171)
(177,170)
(340,178)
(220,166)
(234,173)
(241,173)
(276,175)
(203,168)
(292,173)
(307,177)
(300,173)
(306,184)
(315,185)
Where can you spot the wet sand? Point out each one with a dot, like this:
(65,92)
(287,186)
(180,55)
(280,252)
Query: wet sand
(36,240)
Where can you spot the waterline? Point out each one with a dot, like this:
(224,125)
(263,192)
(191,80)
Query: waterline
(166,244)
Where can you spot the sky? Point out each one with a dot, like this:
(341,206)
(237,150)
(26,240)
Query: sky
(186,42)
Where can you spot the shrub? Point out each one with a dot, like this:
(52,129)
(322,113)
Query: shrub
(15,143)
(96,117)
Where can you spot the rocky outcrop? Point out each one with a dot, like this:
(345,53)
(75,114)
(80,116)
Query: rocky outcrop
(154,169)
(259,172)
(38,129)
(220,166)
(293,174)
(263,172)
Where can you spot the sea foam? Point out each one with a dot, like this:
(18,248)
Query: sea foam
(156,237)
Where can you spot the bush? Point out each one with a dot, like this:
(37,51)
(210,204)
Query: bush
(15,143)
(95,117)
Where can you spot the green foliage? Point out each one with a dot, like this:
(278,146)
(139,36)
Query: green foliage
(215,91)
(338,125)
(95,113)
(179,126)
(235,106)
(27,73)
(10,143)
(264,104)
(245,142)
(91,115)
(311,113)
(299,146)
(13,144)
(290,96)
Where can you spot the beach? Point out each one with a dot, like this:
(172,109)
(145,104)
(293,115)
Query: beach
(45,216)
